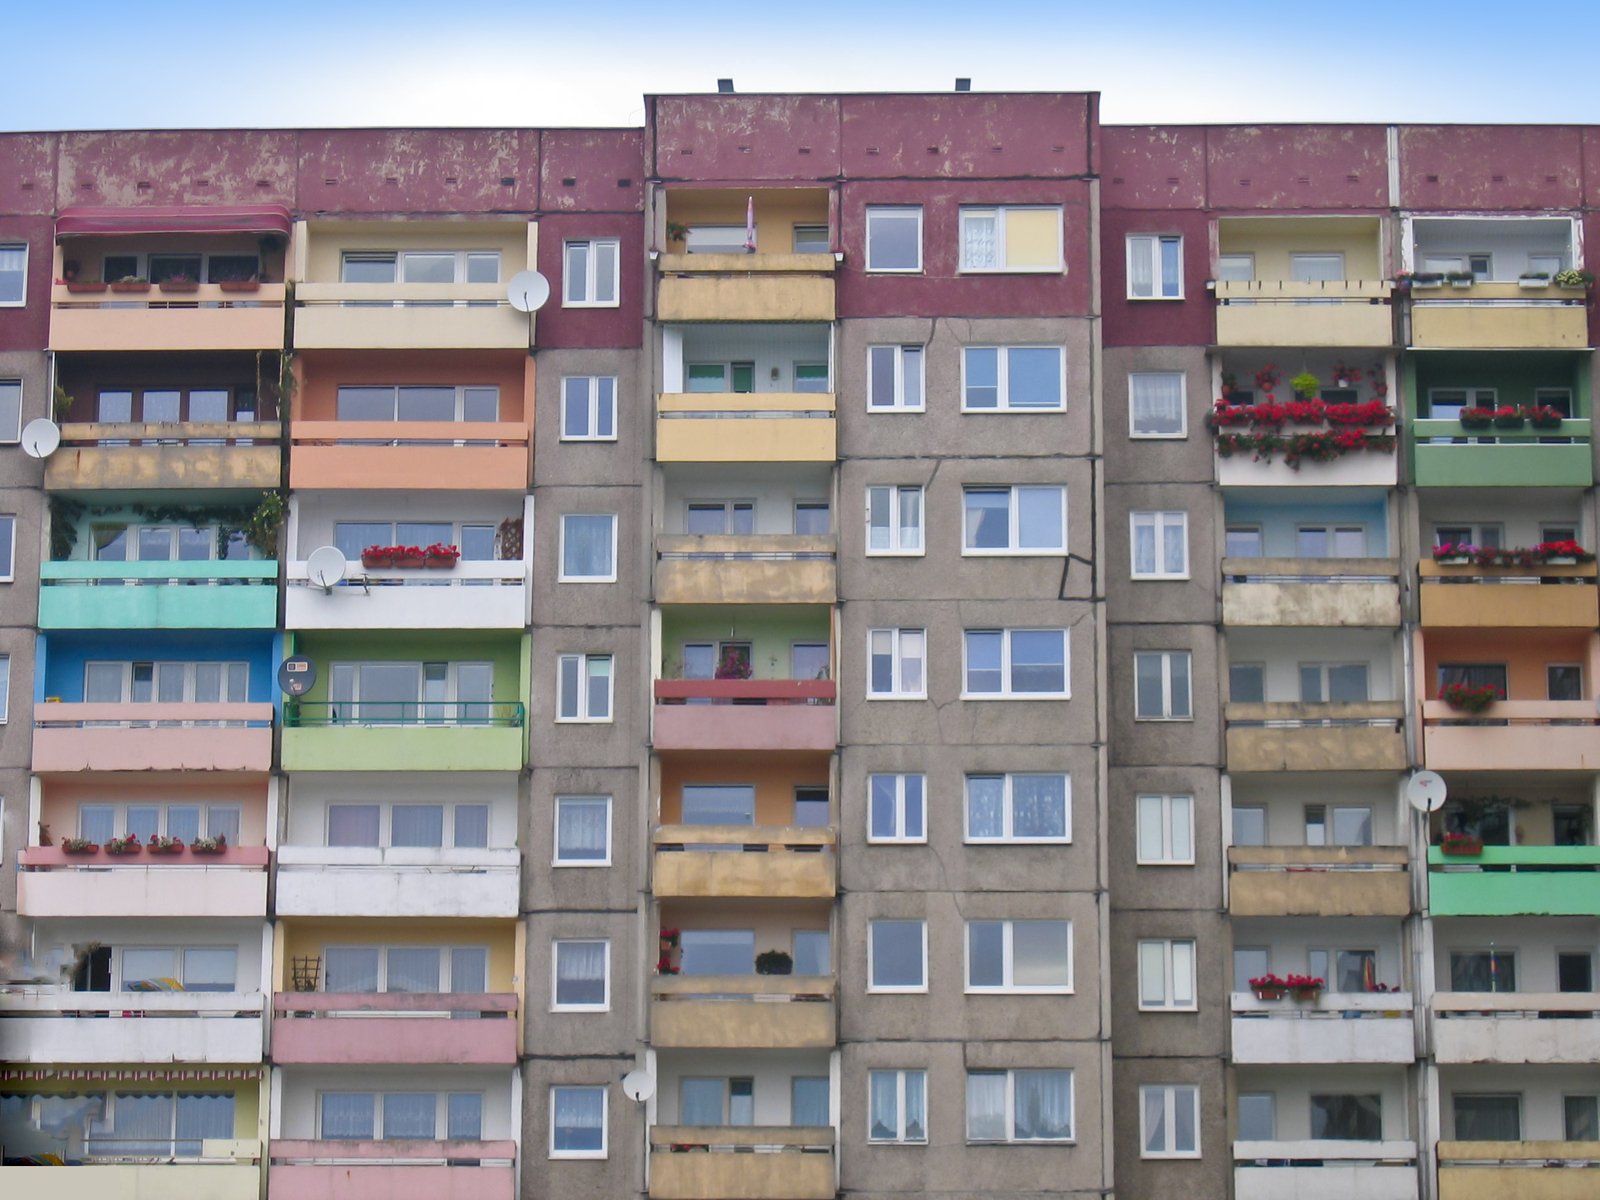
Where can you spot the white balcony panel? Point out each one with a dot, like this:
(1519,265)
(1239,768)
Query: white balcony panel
(1368,1170)
(470,595)
(1287,1031)
(132,1027)
(323,881)
(1517,1027)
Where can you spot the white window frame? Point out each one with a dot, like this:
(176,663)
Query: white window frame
(1183,406)
(597,404)
(561,552)
(1169,821)
(605,1121)
(894,210)
(5,688)
(461,391)
(899,837)
(382,949)
(1008,837)
(556,1006)
(1158,524)
(900,350)
(1167,658)
(24,247)
(897,682)
(901,989)
(581,718)
(1011,1137)
(997,212)
(591,275)
(1003,381)
(1008,963)
(1169,980)
(896,549)
(1014,522)
(13,435)
(555,846)
(1006,692)
(1151,244)
(899,1138)
(1172,1096)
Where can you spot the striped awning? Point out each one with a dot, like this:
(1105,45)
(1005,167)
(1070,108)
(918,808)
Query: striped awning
(10,1075)
(85,221)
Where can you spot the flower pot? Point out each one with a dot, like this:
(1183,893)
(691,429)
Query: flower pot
(176,848)
(1307,995)
(1461,283)
(439,564)
(1561,561)
(1426,284)
(91,848)
(409,560)
(377,560)
(1268,993)
(1533,283)
(85,289)
(121,850)
(212,850)
(130,287)
(240,285)
(179,285)
(1469,848)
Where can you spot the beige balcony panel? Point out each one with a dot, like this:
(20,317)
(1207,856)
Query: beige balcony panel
(734,1012)
(789,1163)
(1311,593)
(1299,739)
(796,862)
(1503,1170)
(1318,881)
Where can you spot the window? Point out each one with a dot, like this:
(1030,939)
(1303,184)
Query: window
(1331,541)
(1242,541)
(895,808)
(1581,1118)
(589,408)
(1487,1118)
(813,952)
(581,977)
(812,518)
(811,377)
(894,379)
(1018,808)
(897,956)
(1161,686)
(141,1124)
(1025,519)
(716,239)
(1169,1120)
(718,518)
(13,274)
(1333,683)
(426,969)
(1349,1118)
(390,693)
(1011,239)
(588,548)
(1483,971)
(1316,268)
(1166,974)
(1351,825)
(810,239)
(467,403)
(1017,663)
(197,968)
(583,687)
(1247,683)
(894,519)
(8,526)
(592,271)
(1258,1116)
(166,682)
(896,663)
(1166,830)
(102,822)
(583,831)
(1155,267)
(897,1106)
(1160,545)
(577,1122)
(1157,405)
(1019,956)
(1236,268)
(718,804)
(894,239)
(10,410)
(1012,378)
(1019,1106)
(1248,826)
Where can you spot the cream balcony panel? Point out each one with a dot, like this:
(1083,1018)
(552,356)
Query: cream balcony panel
(1333,313)
(1516,1027)
(734,1012)
(132,1027)
(408,316)
(1358,1027)
(1523,1170)
(1499,316)
(1311,593)
(1368,1170)
(344,881)
(1290,736)
(232,1173)
(785,863)
(1358,468)
(1318,881)
(206,319)
(748,1162)
(469,595)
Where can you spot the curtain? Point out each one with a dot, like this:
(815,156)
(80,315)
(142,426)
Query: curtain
(582,829)
(1144,546)
(985,806)
(579,1118)
(141,1124)
(471,827)
(979,248)
(183,822)
(464,1116)
(1043,1104)
(586,545)
(700,1101)
(97,822)
(469,969)
(1141,266)
(1157,401)
(1155,1120)
(809,1101)
(417,825)
(910,520)
(580,972)
(409,1114)
(144,820)
(223,820)
(202,1115)
(1488,1119)
(352,824)
(351,969)
(1174,546)
(986,1106)
(1039,806)
(883,1093)
(916,1105)
(413,969)
(347,1116)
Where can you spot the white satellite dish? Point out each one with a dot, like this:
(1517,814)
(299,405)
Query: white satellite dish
(528,291)
(639,1085)
(1426,791)
(40,438)
(326,566)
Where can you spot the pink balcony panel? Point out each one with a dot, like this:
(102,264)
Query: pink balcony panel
(745,714)
(315,1170)
(131,737)
(53,883)
(351,1028)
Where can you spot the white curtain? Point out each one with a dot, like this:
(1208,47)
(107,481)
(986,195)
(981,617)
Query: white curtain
(700,1101)
(808,1104)
(351,969)
(417,825)
(183,822)
(580,972)
(1157,402)
(1144,546)
(203,1115)
(413,969)
(223,820)
(986,1106)
(581,829)
(916,1105)
(471,826)
(1141,266)
(352,824)
(1043,1104)
(347,1116)
(464,1116)
(1174,545)
(586,547)
(884,1099)
(1039,806)
(985,806)
(1155,1120)
(978,245)
(409,1114)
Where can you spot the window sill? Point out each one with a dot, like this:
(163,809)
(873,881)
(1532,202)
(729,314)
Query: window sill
(1157,1157)
(1055,552)
(1059,841)
(1018,991)
(1155,299)
(896,991)
(891,271)
(563,865)
(602,440)
(591,304)
(1055,270)
(1169,1008)
(872,841)
(584,721)
(895,554)
(1070,1141)
(580,1008)
(1166,720)
(1159,437)
(1016,696)
(585,579)
(1159,578)
(902,409)
(1012,410)
(579,1154)
(897,695)
(1162,862)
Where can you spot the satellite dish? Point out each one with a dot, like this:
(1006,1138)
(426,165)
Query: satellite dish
(639,1085)
(527,291)
(40,438)
(1426,791)
(326,566)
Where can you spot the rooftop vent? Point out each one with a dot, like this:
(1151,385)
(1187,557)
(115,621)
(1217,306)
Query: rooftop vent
(725,87)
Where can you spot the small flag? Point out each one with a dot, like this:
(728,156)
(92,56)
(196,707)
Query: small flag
(750,226)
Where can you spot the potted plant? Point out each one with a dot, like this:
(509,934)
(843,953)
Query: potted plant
(209,845)
(179,283)
(252,284)
(1507,417)
(1461,845)
(1345,377)
(774,962)
(1534,279)
(377,556)
(1454,553)
(440,556)
(77,845)
(1459,279)
(130,283)
(1562,553)
(677,231)
(1306,988)
(1402,281)
(1306,385)
(1476,418)
(1465,697)
(735,664)
(1268,987)
(1426,279)
(1543,416)
(409,556)
(665,965)
(124,845)
(1574,277)
(1267,379)
(165,845)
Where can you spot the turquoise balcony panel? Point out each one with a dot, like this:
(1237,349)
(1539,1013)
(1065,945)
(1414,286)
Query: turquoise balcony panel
(1444,457)
(158,595)
(1510,881)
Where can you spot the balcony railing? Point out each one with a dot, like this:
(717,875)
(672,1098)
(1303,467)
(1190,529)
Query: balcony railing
(370,1170)
(1325,1170)
(408,316)
(435,455)
(745,427)
(218,594)
(745,569)
(1551,881)
(745,714)
(152,737)
(190,454)
(405,1028)
(1511,735)
(745,287)
(744,860)
(1318,881)
(231,883)
(469,595)
(1446,455)
(1334,312)
(1516,1027)
(751,1162)
(1310,592)
(1543,596)
(768,1012)
(207,318)
(397,881)
(1292,736)
(133,1027)
(1337,1027)
(310,714)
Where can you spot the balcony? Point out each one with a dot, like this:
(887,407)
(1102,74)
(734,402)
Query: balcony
(1315,737)
(1507,458)
(744,860)
(1311,593)
(1325,1170)
(431,455)
(152,737)
(745,714)
(190,455)
(1542,881)
(717,1163)
(745,427)
(1495,1170)
(1357,468)
(206,319)
(1335,313)
(742,1012)
(745,287)
(472,736)
(746,569)
(132,1027)
(158,595)
(226,1170)
(469,595)
(1513,735)
(395,881)
(1338,1027)
(53,883)
(395,1170)
(400,1028)
(1516,1027)
(1318,881)
(1544,596)
(1499,316)
(408,316)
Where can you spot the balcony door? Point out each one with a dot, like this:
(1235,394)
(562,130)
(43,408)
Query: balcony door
(717,951)
(716,1101)
(389,693)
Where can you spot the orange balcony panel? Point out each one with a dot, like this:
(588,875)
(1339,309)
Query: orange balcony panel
(746,714)
(206,319)
(401,1028)
(1473,597)
(126,737)
(441,455)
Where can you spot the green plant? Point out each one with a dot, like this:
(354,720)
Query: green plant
(1574,277)
(61,404)
(1458,276)
(676,232)
(1306,385)
(262,526)
(774,962)
(64,514)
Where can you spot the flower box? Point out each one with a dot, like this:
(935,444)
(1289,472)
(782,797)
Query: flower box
(440,556)
(1509,420)
(216,845)
(131,285)
(127,845)
(377,558)
(1526,282)
(180,285)
(165,845)
(438,564)
(409,560)
(1267,991)
(1305,988)
(1460,846)
(79,846)
(85,288)
(1465,698)
(1308,993)
(240,285)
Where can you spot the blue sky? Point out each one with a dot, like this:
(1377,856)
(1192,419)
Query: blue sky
(176,63)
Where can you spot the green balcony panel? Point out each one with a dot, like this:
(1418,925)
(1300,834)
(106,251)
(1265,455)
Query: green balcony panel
(158,595)
(447,737)
(1516,458)
(1544,881)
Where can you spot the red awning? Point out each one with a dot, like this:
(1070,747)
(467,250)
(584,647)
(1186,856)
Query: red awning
(184,218)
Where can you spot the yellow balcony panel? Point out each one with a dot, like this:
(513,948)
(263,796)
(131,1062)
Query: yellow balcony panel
(1496,1170)
(743,427)
(1499,316)
(746,569)
(1311,593)
(780,862)
(745,287)
(408,316)
(205,319)
(1315,737)
(231,1176)
(797,1163)
(1539,597)
(104,457)
(742,1012)
(1318,881)
(1334,313)
(1511,735)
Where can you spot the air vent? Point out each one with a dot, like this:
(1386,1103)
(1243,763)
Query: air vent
(569,181)
(624,183)
(508,181)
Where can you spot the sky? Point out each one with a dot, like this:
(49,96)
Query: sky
(118,64)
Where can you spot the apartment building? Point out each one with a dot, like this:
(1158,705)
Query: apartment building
(908,671)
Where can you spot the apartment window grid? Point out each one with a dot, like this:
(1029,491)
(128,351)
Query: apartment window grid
(896,808)
(1015,664)
(1011,238)
(1165,830)
(1169,1120)
(1162,686)
(1019,809)
(1155,267)
(583,831)
(897,1106)
(580,975)
(897,666)
(1019,1106)
(1013,379)
(895,380)
(894,520)
(592,272)
(578,1122)
(1167,975)
(589,408)
(1019,957)
(1160,545)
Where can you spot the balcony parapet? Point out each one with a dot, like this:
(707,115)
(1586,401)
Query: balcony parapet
(1526,1170)
(1447,455)
(1516,1027)
(1499,316)
(1498,739)
(1333,312)
(744,860)
(745,714)
(745,287)
(787,1163)
(1293,736)
(207,318)
(135,1027)
(1318,881)
(394,1027)
(152,737)
(432,455)
(746,569)
(397,881)
(1543,596)
(397,1153)
(1311,592)
(1325,1170)
(1551,881)
(191,455)
(393,1170)
(218,594)
(408,316)
(746,427)
(743,1011)
(1337,1027)
(469,595)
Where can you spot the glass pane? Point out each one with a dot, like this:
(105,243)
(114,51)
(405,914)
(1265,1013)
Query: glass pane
(347,1115)
(809,1101)
(1038,806)
(578,1116)
(366,404)
(144,821)
(149,970)
(409,1115)
(426,404)
(586,546)
(986,806)
(580,973)
(1257,1118)
(1152,973)
(464,1116)
(351,969)
(1347,683)
(1039,518)
(1242,542)
(367,268)
(883,1105)
(986,1106)
(1183,973)
(811,952)
(575,407)
(582,829)
(1155,1119)
(881,376)
(984,674)
(352,824)
(417,825)
(719,804)
(700,1101)
(483,266)
(988,518)
(424,267)
(982,368)
(883,805)
(222,820)
(1038,660)
(1488,1118)
(471,827)
(577,272)
(1247,683)
(210,969)
(480,404)
(1040,953)
(413,969)
(897,958)
(1034,377)
(986,954)
(1148,678)
(469,969)
(894,240)
(1352,827)
(1043,1104)
(718,951)
(97,822)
